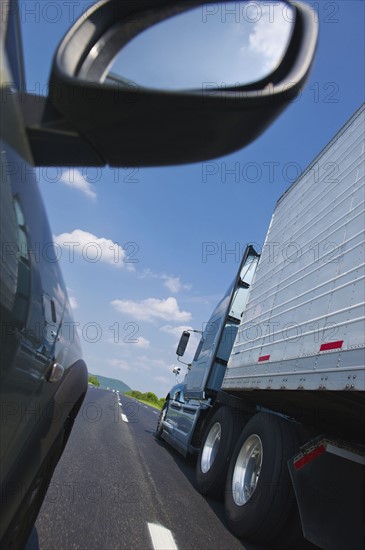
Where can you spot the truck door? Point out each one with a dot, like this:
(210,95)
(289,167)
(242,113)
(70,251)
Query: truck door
(210,363)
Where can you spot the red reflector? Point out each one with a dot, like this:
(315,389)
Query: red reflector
(264,358)
(331,345)
(303,460)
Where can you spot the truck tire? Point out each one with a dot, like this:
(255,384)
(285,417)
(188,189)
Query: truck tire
(159,429)
(215,451)
(259,497)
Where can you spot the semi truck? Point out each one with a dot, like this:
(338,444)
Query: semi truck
(273,400)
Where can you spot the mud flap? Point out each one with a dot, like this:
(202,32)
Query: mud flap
(329,484)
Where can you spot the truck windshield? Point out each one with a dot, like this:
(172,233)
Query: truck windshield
(241,293)
(213,328)
(214,324)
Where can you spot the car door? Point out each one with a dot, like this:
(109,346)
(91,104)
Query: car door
(32,297)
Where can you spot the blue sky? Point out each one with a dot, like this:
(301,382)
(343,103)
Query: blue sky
(240,41)
(158,247)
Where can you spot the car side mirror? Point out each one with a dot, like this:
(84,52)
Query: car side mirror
(93,117)
(181,347)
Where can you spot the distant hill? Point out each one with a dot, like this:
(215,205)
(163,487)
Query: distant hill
(112,383)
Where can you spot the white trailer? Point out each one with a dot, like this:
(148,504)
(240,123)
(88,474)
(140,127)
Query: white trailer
(281,405)
(304,326)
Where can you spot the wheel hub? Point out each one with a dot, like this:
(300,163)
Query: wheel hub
(210,447)
(247,470)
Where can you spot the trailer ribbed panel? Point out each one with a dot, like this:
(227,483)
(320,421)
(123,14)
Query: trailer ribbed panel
(308,292)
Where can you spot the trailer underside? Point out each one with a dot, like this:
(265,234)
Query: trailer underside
(340,412)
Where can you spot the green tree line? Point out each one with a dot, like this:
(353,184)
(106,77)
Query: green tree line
(92,379)
(148,397)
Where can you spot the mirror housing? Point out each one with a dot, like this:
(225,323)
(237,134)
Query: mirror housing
(85,121)
(181,347)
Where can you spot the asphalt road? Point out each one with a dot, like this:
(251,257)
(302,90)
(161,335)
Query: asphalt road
(116,486)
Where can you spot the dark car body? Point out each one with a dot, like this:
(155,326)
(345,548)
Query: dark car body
(43,378)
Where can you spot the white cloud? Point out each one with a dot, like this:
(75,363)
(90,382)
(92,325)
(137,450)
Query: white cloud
(93,249)
(75,179)
(174,284)
(143,342)
(157,363)
(71,298)
(175,331)
(120,364)
(73,302)
(130,345)
(142,363)
(153,308)
(147,274)
(269,37)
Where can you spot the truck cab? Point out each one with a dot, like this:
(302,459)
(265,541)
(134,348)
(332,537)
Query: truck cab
(204,377)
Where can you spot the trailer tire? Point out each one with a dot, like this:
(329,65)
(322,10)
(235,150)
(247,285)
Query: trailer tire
(215,451)
(259,465)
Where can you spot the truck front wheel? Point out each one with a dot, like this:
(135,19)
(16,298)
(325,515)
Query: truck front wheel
(215,451)
(259,498)
(161,418)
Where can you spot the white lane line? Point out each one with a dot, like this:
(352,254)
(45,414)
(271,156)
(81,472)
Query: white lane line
(154,412)
(124,418)
(120,405)
(162,538)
